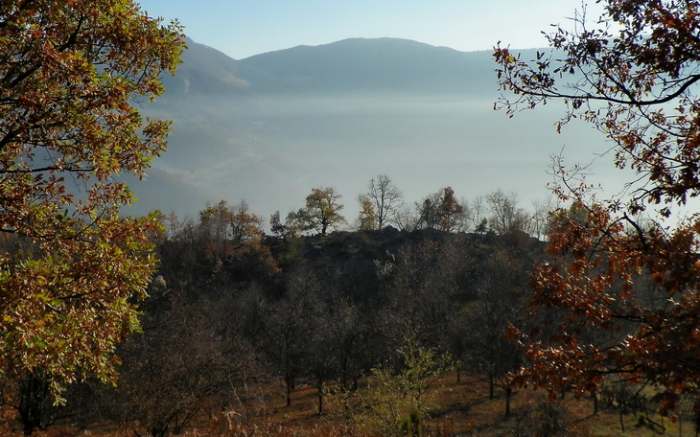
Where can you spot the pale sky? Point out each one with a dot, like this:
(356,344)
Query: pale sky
(242,28)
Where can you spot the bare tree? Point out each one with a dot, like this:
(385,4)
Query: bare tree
(501,299)
(506,217)
(407,219)
(386,197)
(174,368)
(540,218)
(475,215)
(288,328)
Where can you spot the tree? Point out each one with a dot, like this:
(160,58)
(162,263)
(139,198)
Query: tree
(394,403)
(322,210)
(368,214)
(288,327)
(540,218)
(474,213)
(174,368)
(235,241)
(500,302)
(69,73)
(442,211)
(245,225)
(423,286)
(408,219)
(385,197)
(276,226)
(506,217)
(231,223)
(633,77)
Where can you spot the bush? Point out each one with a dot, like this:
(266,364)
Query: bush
(394,403)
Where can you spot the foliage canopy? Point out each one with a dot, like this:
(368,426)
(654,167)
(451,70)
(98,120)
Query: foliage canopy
(633,76)
(72,269)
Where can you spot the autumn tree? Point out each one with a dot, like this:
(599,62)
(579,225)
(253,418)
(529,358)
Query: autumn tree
(633,76)
(367,216)
(235,238)
(69,73)
(441,211)
(386,199)
(322,210)
(236,223)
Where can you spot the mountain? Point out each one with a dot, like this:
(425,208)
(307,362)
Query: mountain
(352,65)
(270,127)
(360,65)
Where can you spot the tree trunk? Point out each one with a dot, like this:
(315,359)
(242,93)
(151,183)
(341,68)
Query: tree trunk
(622,422)
(34,403)
(595,402)
(320,396)
(509,392)
(491,385)
(288,381)
(344,375)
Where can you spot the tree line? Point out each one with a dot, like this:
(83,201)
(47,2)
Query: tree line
(383,205)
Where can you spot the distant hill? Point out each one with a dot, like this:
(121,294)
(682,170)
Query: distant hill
(352,65)
(357,65)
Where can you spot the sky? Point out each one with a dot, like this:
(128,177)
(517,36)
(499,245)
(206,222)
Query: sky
(241,28)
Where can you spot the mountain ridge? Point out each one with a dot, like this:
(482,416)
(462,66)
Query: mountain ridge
(349,65)
(362,39)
